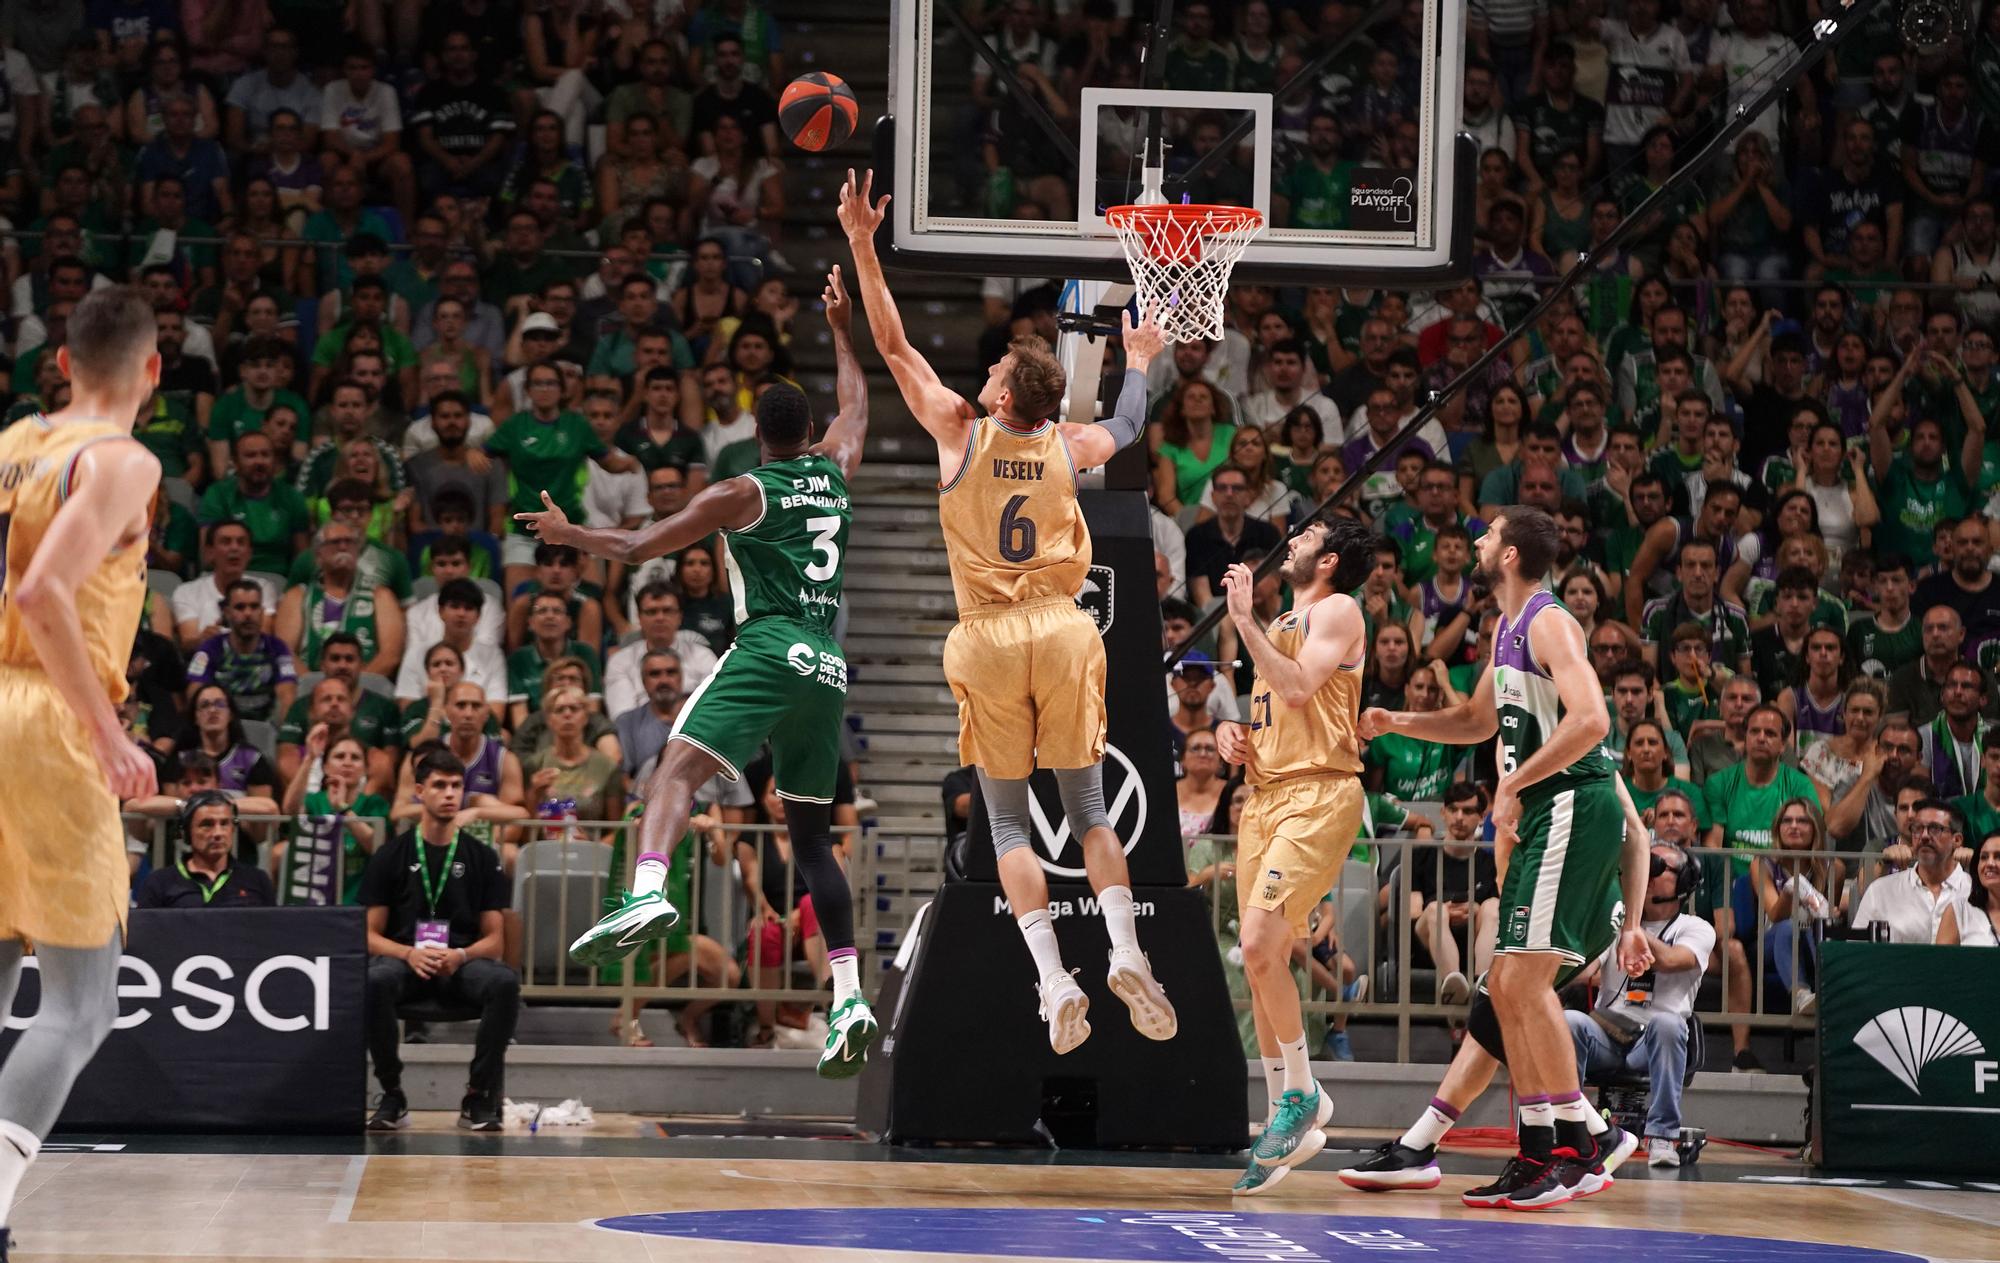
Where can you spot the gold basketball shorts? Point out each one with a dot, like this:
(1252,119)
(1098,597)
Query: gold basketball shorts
(1029,679)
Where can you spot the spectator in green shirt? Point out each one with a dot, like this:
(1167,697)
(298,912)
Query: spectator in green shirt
(1742,800)
(549,641)
(329,228)
(243,408)
(1314,193)
(521,269)
(369,310)
(545,449)
(194,266)
(168,432)
(274,512)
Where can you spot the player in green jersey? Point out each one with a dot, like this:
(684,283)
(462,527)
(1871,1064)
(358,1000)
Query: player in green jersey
(784,679)
(1558,813)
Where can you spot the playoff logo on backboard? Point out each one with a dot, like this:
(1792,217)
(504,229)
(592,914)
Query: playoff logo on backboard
(1098,597)
(1380,199)
(1124,802)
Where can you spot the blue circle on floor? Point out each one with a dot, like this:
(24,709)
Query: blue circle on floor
(1173,1236)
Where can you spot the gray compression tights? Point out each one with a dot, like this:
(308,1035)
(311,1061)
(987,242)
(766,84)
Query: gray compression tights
(1007,817)
(79,1003)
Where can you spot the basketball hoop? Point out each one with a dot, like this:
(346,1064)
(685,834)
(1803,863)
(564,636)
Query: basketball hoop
(1181,258)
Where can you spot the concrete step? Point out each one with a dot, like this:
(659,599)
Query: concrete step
(910,516)
(883,745)
(914,673)
(906,799)
(885,469)
(910,723)
(884,555)
(869,619)
(927,586)
(891,649)
(865,694)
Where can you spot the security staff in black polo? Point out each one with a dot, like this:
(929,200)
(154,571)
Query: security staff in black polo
(207,878)
(434,897)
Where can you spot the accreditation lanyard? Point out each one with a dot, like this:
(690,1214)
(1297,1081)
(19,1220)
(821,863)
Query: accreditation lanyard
(431,895)
(207,892)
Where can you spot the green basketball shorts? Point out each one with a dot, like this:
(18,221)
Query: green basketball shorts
(782,682)
(1561,892)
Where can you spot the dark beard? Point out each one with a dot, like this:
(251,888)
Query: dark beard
(1482,582)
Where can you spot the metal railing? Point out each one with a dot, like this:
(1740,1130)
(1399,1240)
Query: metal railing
(1382,939)
(564,869)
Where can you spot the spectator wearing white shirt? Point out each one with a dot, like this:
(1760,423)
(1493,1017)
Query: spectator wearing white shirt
(21,108)
(438,379)
(611,499)
(1285,370)
(361,125)
(726,422)
(198,604)
(451,616)
(660,628)
(1970,922)
(1912,903)
(1752,55)
(1642,1023)
(666,491)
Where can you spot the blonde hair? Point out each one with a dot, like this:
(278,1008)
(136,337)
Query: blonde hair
(561,692)
(1035,380)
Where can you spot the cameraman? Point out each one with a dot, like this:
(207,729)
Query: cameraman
(1642,1023)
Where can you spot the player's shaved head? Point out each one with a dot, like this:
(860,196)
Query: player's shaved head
(112,333)
(784,418)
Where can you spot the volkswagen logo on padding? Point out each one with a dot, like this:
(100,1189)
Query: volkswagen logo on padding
(1100,587)
(1124,802)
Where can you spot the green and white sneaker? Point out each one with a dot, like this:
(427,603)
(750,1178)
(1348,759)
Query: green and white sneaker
(637,920)
(850,1029)
(1294,1136)
(1258,1178)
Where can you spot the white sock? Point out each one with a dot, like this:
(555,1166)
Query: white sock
(1539,1114)
(1594,1120)
(1577,1111)
(846,978)
(1428,1130)
(1119,919)
(18,1147)
(1298,1068)
(1041,937)
(1274,1077)
(649,876)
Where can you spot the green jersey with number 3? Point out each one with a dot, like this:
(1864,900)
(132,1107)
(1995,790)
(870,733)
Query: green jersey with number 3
(787,564)
(1525,694)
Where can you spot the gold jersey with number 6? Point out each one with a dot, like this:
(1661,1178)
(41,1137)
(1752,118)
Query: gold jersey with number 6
(1025,662)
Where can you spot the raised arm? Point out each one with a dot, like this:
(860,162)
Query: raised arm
(849,431)
(1093,445)
(1335,636)
(111,491)
(936,407)
(732,504)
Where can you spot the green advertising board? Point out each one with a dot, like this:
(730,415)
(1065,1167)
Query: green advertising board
(1909,1059)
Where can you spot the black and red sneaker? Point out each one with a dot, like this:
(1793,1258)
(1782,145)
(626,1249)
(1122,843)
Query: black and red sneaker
(1520,1172)
(1563,1180)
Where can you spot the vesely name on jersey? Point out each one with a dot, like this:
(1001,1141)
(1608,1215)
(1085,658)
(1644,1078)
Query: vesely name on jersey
(15,472)
(1019,470)
(815,491)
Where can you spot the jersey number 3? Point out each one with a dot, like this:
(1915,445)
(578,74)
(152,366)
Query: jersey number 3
(1017,533)
(823,530)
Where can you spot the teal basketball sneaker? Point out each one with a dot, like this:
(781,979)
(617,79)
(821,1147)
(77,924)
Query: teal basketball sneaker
(636,921)
(850,1029)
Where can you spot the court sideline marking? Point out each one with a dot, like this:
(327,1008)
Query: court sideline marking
(350,1188)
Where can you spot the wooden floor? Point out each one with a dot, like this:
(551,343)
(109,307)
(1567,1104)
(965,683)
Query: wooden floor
(435,1193)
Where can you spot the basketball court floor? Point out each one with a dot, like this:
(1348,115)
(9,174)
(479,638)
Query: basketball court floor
(638,1189)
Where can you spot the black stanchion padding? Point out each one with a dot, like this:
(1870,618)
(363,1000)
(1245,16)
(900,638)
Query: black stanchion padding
(965,1058)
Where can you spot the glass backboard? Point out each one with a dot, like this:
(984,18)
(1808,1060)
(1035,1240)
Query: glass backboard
(1014,124)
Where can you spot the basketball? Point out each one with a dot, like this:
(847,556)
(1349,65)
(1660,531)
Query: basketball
(818,111)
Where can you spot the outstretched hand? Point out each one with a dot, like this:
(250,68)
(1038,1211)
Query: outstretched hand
(860,214)
(1142,341)
(551,525)
(839,308)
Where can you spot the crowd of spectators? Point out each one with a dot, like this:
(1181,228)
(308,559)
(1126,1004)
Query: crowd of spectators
(1763,426)
(411,264)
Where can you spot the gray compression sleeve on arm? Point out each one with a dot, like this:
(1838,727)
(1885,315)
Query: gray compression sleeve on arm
(1128,420)
(1006,812)
(1082,790)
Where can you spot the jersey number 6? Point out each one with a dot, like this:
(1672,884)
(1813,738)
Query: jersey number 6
(1017,534)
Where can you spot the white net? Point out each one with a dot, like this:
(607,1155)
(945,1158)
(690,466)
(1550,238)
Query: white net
(1181,258)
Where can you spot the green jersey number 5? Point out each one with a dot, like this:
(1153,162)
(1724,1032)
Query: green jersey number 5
(824,529)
